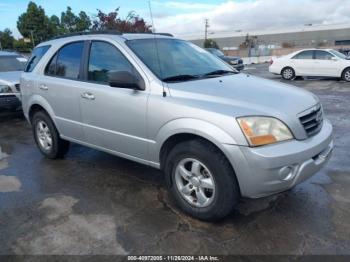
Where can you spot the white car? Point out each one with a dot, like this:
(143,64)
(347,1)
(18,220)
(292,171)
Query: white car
(312,62)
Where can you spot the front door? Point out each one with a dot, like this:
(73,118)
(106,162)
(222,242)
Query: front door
(113,118)
(326,64)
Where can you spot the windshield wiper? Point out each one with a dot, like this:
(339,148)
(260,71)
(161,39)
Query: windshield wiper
(180,78)
(220,72)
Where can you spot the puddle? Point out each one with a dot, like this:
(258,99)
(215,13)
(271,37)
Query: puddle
(70,233)
(9,184)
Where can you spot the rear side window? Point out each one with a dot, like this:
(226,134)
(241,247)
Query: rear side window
(37,54)
(66,62)
(305,55)
(105,58)
(323,55)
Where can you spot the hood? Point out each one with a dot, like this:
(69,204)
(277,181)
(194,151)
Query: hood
(10,78)
(230,58)
(242,94)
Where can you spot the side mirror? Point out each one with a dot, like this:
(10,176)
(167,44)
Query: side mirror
(334,58)
(125,79)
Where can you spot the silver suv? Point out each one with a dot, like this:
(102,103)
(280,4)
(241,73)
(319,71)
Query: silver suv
(217,134)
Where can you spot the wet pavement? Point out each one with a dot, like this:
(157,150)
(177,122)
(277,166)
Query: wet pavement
(95,203)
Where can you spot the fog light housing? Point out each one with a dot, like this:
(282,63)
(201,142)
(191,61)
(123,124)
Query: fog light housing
(287,173)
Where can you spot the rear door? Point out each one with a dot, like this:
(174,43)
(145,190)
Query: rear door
(60,87)
(326,64)
(114,118)
(303,63)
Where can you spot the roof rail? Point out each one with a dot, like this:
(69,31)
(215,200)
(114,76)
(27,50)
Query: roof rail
(106,32)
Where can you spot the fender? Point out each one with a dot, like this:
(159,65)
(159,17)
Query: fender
(190,126)
(41,101)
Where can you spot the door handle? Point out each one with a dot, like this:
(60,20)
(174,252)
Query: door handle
(43,87)
(88,96)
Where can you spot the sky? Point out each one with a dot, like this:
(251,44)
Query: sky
(186,18)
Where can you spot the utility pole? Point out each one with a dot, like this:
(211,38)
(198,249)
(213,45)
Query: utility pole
(31,33)
(206,28)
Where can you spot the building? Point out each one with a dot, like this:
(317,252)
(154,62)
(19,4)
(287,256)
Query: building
(298,37)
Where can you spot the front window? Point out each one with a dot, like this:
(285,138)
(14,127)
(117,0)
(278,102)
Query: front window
(323,55)
(37,54)
(338,54)
(12,63)
(106,58)
(177,60)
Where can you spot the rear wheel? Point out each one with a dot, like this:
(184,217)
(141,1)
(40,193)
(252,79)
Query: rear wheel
(47,137)
(202,181)
(346,75)
(288,73)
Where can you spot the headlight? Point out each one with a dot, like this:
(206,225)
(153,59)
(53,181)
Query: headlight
(264,130)
(5,89)
(234,62)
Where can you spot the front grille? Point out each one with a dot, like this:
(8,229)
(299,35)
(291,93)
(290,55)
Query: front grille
(240,61)
(312,122)
(17,87)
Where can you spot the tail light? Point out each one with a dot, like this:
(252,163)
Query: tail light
(271,62)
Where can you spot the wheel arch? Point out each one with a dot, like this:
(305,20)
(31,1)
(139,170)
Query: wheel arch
(38,103)
(342,72)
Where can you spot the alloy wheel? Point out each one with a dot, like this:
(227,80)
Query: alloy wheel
(195,182)
(44,135)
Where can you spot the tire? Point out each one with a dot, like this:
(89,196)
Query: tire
(47,137)
(223,193)
(346,75)
(288,73)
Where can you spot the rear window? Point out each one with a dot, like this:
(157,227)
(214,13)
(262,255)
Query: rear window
(37,54)
(305,55)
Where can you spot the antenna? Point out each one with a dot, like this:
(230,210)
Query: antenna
(156,44)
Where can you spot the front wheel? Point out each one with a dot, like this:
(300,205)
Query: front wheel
(202,181)
(346,75)
(47,137)
(288,73)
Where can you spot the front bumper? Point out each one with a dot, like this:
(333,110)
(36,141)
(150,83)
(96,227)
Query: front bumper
(270,169)
(9,102)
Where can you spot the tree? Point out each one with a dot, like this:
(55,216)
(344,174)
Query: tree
(84,22)
(21,46)
(68,21)
(6,39)
(34,23)
(210,43)
(111,21)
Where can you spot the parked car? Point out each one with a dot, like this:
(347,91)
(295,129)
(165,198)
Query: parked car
(217,134)
(312,62)
(11,67)
(234,61)
(345,51)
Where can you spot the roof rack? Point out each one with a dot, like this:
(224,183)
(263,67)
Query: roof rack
(105,32)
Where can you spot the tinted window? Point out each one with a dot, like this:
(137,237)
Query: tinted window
(37,54)
(105,58)
(51,67)
(12,63)
(305,55)
(68,60)
(323,55)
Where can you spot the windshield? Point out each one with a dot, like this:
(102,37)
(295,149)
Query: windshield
(216,52)
(338,54)
(177,60)
(12,63)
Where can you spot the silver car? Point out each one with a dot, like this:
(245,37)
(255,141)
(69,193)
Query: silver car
(217,134)
(11,67)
